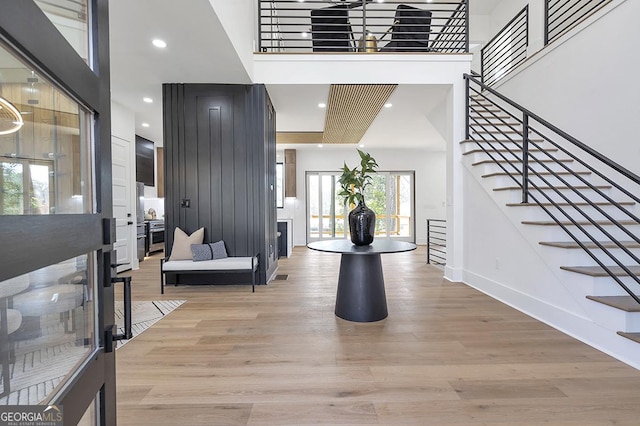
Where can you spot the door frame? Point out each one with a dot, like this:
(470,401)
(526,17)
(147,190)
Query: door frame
(35,241)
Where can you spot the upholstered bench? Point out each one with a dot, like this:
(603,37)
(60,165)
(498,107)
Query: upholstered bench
(226,265)
(189,256)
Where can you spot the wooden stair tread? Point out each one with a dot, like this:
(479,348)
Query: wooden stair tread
(537,173)
(582,223)
(632,336)
(496,131)
(624,303)
(603,203)
(504,141)
(589,244)
(515,160)
(597,271)
(506,151)
(506,188)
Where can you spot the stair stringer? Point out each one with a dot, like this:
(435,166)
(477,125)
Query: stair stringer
(559,301)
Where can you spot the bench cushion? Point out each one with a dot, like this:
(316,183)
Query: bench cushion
(226,264)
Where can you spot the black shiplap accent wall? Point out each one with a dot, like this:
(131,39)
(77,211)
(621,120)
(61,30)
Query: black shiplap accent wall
(219,143)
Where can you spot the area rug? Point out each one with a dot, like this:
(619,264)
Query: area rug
(41,363)
(143,315)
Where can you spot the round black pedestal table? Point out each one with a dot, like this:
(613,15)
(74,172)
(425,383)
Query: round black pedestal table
(361,296)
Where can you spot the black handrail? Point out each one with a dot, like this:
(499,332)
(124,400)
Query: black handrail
(509,134)
(561,15)
(506,49)
(437,241)
(627,173)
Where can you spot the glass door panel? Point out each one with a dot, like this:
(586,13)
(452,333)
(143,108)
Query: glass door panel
(50,328)
(49,152)
(313,207)
(375,197)
(327,220)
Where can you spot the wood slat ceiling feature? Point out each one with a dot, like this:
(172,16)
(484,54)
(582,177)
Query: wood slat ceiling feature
(299,137)
(351,109)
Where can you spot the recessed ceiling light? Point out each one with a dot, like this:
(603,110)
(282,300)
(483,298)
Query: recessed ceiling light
(145,124)
(319,145)
(148,100)
(159,43)
(361,145)
(388,105)
(322,105)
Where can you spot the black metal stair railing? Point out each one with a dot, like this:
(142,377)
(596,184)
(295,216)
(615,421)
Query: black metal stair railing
(537,156)
(437,241)
(294,26)
(506,49)
(561,15)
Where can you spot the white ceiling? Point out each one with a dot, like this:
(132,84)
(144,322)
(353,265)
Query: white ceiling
(199,51)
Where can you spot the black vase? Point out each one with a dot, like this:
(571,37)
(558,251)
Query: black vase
(362,224)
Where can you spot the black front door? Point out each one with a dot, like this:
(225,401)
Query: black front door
(56,298)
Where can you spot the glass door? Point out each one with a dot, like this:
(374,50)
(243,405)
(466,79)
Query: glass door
(391,195)
(56,299)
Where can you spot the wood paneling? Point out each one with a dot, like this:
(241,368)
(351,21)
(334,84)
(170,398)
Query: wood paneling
(447,354)
(220,159)
(351,110)
(298,137)
(290,173)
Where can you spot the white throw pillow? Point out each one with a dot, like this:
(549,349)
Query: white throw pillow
(181,249)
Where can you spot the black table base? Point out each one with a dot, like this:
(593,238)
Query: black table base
(361,296)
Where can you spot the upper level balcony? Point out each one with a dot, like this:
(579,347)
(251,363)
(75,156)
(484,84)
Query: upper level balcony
(365,26)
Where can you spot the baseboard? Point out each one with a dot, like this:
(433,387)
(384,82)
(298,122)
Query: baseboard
(578,327)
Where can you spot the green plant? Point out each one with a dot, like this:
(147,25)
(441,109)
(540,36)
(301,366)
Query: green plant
(354,181)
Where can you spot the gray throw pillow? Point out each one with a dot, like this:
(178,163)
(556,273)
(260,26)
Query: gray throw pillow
(208,251)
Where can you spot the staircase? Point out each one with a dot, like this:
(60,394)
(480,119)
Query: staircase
(580,206)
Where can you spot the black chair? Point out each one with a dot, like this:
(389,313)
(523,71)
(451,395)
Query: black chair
(331,29)
(410,30)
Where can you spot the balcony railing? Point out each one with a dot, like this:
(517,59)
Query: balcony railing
(561,15)
(295,26)
(437,241)
(507,49)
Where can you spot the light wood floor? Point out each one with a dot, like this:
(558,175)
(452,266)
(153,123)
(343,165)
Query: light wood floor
(446,355)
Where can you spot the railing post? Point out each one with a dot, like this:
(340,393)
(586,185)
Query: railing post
(467,112)
(546,22)
(466,15)
(259,25)
(364,28)
(428,241)
(525,158)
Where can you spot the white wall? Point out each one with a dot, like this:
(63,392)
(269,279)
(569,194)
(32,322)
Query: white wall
(586,84)
(239,21)
(430,179)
